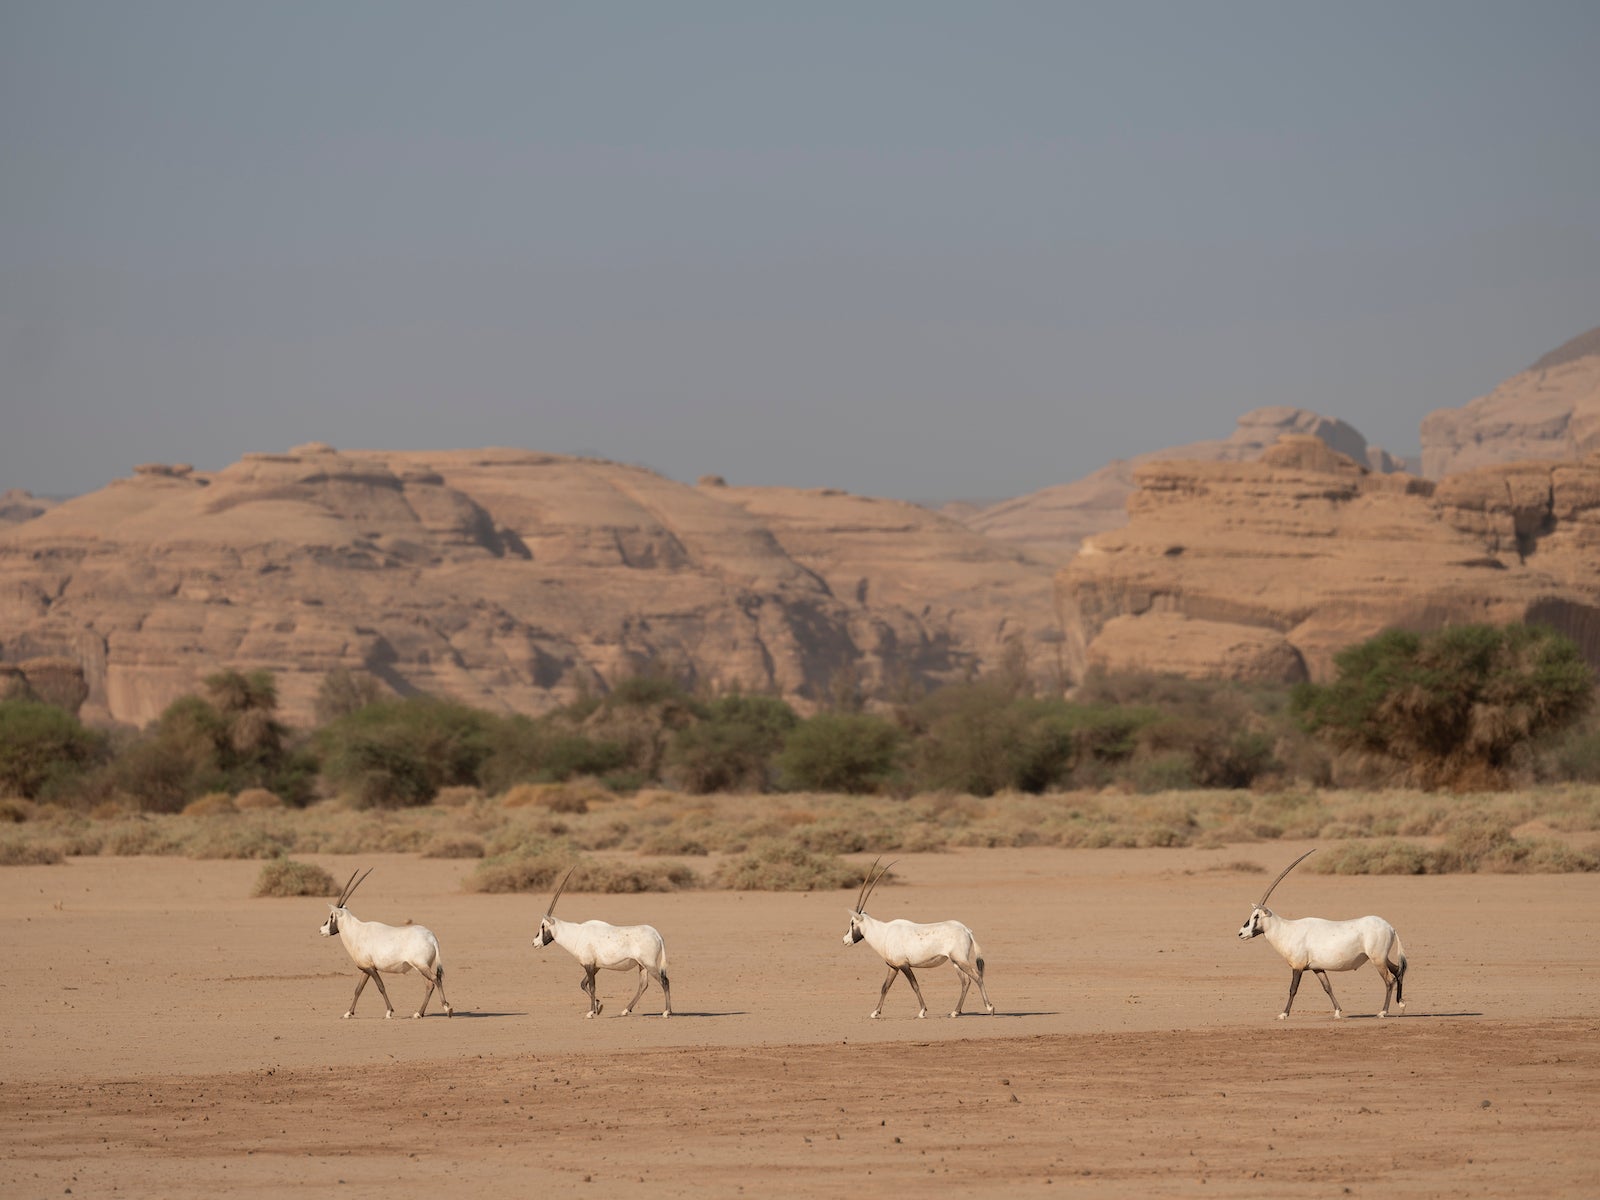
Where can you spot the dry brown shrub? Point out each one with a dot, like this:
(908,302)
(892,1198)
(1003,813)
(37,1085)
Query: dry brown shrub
(14,810)
(256,798)
(672,841)
(784,866)
(236,839)
(286,877)
(209,805)
(140,836)
(542,872)
(445,846)
(29,852)
(1387,856)
(114,809)
(457,797)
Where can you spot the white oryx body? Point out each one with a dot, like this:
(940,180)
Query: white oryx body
(905,944)
(599,946)
(389,949)
(1319,946)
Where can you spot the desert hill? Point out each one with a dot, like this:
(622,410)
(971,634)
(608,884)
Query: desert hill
(1051,523)
(1549,411)
(505,578)
(1264,570)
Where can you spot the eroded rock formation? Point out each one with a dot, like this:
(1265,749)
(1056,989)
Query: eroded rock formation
(503,578)
(1549,411)
(1265,570)
(1053,522)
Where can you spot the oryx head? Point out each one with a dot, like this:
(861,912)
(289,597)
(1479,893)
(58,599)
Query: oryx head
(331,925)
(547,926)
(854,934)
(1252,926)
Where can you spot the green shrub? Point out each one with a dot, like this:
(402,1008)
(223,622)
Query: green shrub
(399,753)
(42,745)
(732,748)
(1453,707)
(840,752)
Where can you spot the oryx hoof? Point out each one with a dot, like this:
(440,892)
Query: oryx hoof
(627,1012)
(666,1014)
(416,1016)
(589,1016)
(389,1016)
(876,1014)
(1283,1016)
(1384,1012)
(1337,1014)
(348,1015)
(448,1011)
(957,1013)
(922,1014)
(990,1007)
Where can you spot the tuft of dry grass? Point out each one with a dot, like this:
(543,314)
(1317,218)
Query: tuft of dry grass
(256,799)
(14,810)
(286,877)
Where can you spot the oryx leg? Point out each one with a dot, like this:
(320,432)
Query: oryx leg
(594,996)
(890,978)
(435,980)
(1391,983)
(1322,978)
(384,992)
(666,992)
(365,975)
(965,984)
(1400,984)
(977,978)
(1294,986)
(644,982)
(922,1005)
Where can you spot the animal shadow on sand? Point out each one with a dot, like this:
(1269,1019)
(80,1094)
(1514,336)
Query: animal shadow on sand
(1408,1016)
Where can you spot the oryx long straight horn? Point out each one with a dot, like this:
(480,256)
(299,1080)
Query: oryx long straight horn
(903,945)
(1312,944)
(393,949)
(601,947)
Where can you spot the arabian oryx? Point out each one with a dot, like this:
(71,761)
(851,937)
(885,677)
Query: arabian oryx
(598,946)
(904,945)
(1312,944)
(394,949)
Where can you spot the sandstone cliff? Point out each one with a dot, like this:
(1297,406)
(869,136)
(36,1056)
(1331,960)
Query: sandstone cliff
(1052,523)
(1549,411)
(503,578)
(1265,570)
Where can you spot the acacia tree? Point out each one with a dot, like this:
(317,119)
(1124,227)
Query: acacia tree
(1456,707)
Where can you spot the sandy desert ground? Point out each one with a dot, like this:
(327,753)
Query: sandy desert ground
(165,1034)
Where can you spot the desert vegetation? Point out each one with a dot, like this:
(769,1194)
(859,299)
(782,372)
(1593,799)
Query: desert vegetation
(1472,749)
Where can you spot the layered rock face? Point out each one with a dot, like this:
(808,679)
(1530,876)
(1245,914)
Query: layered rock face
(1053,522)
(1549,411)
(1265,570)
(504,578)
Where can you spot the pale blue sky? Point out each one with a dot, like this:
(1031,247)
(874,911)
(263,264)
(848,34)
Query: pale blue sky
(913,249)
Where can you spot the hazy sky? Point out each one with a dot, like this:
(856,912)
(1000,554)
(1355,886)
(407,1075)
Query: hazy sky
(913,249)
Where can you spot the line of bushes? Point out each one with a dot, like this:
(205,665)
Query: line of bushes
(1474,706)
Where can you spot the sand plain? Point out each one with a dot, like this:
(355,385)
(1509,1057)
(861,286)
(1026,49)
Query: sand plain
(164,1034)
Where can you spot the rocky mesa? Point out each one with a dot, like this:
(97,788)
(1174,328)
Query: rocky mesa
(1549,411)
(504,578)
(1264,570)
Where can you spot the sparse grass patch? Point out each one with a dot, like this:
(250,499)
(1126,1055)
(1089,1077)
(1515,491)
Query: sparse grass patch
(538,873)
(14,810)
(286,877)
(256,798)
(209,805)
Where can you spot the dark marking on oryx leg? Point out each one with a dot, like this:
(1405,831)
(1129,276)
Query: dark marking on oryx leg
(1400,982)
(666,991)
(977,977)
(594,995)
(365,975)
(893,971)
(435,980)
(922,1005)
(438,981)
(1322,978)
(1294,986)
